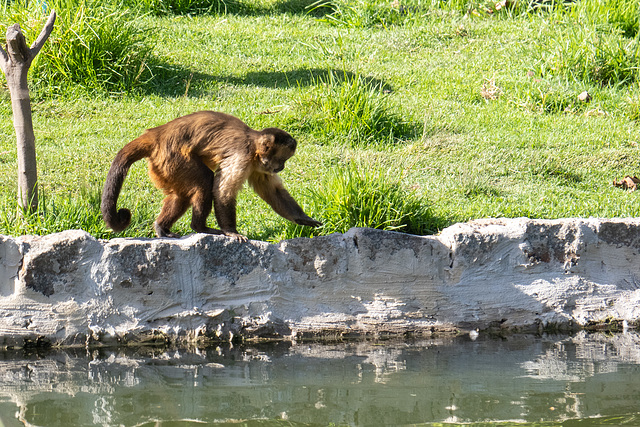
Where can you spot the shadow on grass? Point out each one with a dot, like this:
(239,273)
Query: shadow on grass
(303,77)
(241,8)
(174,80)
(302,7)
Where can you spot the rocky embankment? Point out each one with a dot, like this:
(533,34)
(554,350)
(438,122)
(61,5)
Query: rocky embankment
(496,274)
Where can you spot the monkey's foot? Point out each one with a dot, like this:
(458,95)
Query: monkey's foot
(236,236)
(162,232)
(233,234)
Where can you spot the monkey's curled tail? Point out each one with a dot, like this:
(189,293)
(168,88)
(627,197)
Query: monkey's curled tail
(118,220)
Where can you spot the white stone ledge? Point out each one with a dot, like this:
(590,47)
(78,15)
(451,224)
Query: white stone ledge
(71,289)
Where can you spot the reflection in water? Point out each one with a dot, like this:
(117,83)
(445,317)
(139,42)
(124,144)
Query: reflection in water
(453,380)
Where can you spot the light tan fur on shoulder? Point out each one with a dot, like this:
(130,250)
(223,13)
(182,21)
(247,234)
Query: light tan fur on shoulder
(203,160)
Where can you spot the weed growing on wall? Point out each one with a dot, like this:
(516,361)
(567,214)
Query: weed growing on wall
(358,195)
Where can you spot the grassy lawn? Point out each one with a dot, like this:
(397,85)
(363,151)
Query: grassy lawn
(408,118)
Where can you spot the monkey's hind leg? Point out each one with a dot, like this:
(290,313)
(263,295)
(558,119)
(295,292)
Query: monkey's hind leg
(202,202)
(173,207)
(225,189)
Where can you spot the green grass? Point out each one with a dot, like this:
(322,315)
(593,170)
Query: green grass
(96,45)
(182,7)
(353,110)
(365,195)
(424,112)
(593,41)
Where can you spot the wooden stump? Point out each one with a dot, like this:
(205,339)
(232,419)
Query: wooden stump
(15,63)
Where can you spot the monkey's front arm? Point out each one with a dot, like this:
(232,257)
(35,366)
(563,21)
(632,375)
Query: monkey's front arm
(270,188)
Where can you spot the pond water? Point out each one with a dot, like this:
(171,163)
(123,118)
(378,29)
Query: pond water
(585,379)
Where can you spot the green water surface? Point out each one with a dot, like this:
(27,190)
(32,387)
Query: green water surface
(585,379)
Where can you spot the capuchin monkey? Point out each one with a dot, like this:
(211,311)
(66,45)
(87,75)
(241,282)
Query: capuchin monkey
(202,159)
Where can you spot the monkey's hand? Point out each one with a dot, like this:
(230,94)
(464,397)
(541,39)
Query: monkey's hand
(308,221)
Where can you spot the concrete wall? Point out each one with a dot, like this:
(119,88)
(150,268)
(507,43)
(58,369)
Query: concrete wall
(71,289)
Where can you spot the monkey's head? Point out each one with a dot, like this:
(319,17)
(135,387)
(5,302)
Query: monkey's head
(273,148)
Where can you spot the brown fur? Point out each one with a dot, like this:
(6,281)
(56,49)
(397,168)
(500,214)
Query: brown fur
(203,159)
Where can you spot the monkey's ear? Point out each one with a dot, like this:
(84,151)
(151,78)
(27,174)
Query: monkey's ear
(266,142)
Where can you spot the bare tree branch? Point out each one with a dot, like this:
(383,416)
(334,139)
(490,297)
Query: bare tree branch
(44,35)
